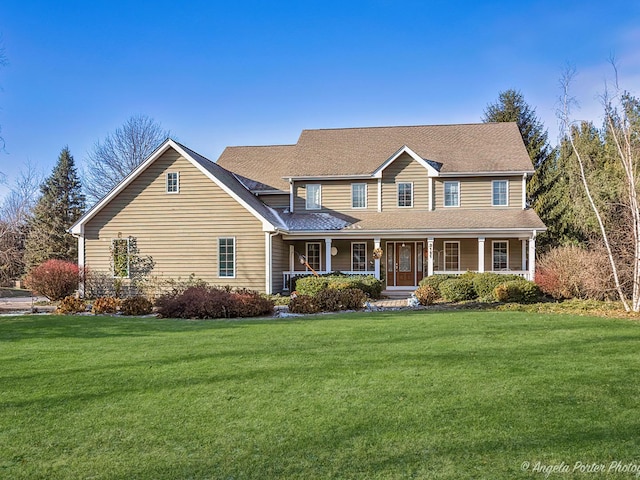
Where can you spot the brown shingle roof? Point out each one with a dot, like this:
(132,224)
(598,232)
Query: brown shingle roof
(469,148)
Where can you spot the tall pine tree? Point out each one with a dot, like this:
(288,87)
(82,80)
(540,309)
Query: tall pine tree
(60,205)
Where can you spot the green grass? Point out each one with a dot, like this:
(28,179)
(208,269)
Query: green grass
(460,394)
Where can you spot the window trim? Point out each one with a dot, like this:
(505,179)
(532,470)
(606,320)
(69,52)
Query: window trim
(444,193)
(366,259)
(113,260)
(398,194)
(234,258)
(444,247)
(306,189)
(366,188)
(493,256)
(166,186)
(493,194)
(306,252)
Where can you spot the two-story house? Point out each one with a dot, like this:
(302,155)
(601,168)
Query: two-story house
(399,203)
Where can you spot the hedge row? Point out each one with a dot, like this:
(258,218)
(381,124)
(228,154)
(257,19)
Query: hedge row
(328,300)
(311,285)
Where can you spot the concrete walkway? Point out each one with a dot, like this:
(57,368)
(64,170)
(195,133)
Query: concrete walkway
(24,304)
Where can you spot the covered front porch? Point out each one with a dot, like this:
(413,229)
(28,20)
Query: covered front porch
(402,262)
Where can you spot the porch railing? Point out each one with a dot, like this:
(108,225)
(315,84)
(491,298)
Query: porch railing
(286,276)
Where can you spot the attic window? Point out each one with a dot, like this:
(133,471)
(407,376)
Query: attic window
(173,182)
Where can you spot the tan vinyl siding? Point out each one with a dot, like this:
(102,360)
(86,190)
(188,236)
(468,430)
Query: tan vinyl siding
(180,231)
(405,169)
(276,201)
(279,262)
(477,192)
(336,195)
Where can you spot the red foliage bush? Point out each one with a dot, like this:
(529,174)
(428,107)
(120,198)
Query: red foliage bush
(55,279)
(211,302)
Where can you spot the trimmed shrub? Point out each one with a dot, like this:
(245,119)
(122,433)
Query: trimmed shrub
(55,279)
(105,305)
(517,291)
(371,286)
(336,299)
(304,304)
(457,290)
(486,282)
(213,302)
(426,294)
(137,305)
(71,304)
(434,281)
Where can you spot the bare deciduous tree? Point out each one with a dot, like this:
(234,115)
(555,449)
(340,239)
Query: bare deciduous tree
(120,152)
(622,123)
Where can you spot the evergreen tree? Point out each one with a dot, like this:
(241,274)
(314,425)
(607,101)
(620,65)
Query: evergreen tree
(60,205)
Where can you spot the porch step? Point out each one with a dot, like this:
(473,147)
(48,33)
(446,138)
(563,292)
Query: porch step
(397,294)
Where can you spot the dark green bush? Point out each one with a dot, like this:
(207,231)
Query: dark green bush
(371,286)
(517,291)
(136,305)
(434,281)
(304,304)
(336,299)
(426,294)
(457,290)
(485,283)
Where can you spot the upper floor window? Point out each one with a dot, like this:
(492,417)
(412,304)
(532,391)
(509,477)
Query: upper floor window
(173,182)
(500,192)
(500,255)
(314,196)
(451,194)
(405,194)
(358,195)
(227,257)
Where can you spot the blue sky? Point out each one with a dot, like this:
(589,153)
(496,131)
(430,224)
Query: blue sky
(258,72)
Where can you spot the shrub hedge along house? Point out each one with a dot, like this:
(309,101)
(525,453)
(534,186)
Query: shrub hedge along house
(399,203)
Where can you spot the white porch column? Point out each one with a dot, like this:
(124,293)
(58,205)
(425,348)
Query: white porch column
(430,256)
(376,261)
(81,264)
(481,254)
(327,263)
(524,254)
(532,256)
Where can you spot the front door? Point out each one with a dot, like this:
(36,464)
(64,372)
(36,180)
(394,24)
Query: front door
(405,274)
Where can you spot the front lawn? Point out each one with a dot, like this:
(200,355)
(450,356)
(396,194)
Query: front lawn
(459,394)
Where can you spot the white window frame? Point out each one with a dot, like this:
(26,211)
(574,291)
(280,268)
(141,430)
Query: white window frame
(306,252)
(493,255)
(444,194)
(398,194)
(308,200)
(493,193)
(167,183)
(113,260)
(365,256)
(235,250)
(353,185)
(445,255)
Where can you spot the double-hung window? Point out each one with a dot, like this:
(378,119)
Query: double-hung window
(227,257)
(314,196)
(359,257)
(358,195)
(405,194)
(500,255)
(313,255)
(451,194)
(452,256)
(173,182)
(500,193)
